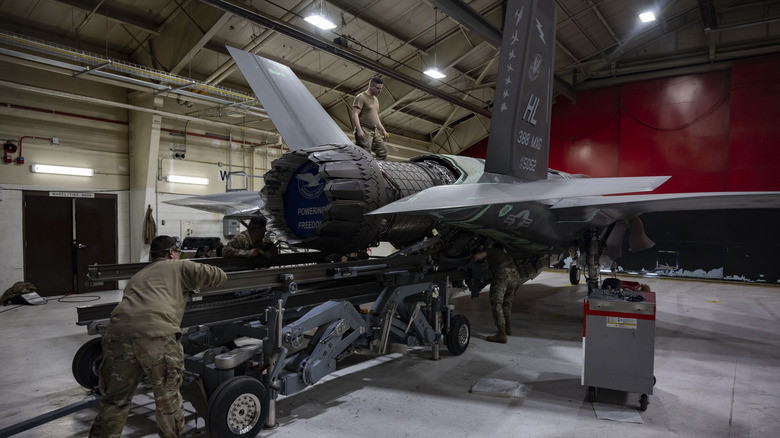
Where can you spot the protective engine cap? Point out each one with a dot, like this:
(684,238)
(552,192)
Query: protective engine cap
(165,243)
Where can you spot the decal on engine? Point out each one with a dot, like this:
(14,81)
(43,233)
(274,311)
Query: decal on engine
(305,200)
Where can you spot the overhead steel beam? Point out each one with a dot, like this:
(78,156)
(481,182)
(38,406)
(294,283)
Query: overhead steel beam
(207,36)
(114,14)
(470,19)
(340,51)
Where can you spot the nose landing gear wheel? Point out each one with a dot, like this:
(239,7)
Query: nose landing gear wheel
(237,408)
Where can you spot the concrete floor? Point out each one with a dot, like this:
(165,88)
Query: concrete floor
(717,364)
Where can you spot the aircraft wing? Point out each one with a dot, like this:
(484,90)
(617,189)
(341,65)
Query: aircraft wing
(229,204)
(636,204)
(472,195)
(297,115)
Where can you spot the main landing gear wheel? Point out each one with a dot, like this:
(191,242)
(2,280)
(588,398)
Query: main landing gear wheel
(459,335)
(237,408)
(574,274)
(86,363)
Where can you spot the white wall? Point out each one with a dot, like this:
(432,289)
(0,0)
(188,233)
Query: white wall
(11,255)
(97,137)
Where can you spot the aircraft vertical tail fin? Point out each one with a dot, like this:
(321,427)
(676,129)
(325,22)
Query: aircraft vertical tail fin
(520,128)
(297,115)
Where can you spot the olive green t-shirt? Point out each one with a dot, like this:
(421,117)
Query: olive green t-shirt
(369,109)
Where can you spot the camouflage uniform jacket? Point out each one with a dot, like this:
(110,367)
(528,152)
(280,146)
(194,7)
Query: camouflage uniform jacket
(500,263)
(242,245)
(154,299)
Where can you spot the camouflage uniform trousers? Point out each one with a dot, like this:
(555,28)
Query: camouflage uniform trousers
(373,141)
(502,290)
(125,362)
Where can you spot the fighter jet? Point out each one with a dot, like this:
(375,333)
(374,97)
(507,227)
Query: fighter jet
(330,195)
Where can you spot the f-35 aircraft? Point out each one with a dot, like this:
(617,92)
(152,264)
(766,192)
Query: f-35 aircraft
(330,195)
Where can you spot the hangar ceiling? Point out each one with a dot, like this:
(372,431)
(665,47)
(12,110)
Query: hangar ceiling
(176,49)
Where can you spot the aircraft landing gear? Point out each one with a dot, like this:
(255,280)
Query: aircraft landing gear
(575,274)
(592,260)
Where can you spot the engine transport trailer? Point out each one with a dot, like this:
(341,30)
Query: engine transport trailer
(278,329)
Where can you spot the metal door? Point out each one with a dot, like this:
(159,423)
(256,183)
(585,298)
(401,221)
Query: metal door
(63,234)
(48,258)
(95,239)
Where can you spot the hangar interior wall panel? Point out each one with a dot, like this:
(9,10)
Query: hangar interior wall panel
(588,139)
(678,127)
(754,155)
(716,131)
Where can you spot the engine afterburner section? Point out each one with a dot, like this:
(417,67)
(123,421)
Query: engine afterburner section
(318,197)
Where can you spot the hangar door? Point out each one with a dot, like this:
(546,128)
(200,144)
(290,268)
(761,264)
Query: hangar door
(65,232)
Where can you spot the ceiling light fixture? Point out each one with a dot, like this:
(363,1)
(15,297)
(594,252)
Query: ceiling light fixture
(433,71)
(320,19)
(187,180)
(647,17)
(62,170)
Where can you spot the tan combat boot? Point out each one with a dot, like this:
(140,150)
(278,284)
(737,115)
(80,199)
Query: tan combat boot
(499,337)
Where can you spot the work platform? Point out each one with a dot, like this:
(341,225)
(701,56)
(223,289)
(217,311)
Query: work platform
(303,319)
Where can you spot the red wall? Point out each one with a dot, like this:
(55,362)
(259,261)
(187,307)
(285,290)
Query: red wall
(754,127)
(716,131)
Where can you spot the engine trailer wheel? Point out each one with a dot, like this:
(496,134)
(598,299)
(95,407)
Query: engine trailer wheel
(459,335)
(237,408)
(86,363)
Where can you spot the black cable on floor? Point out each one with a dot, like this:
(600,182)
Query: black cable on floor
(78,299)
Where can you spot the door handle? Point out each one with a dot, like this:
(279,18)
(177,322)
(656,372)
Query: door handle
(80,246)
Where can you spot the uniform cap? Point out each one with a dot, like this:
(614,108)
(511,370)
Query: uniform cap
(258,220)
(164,243)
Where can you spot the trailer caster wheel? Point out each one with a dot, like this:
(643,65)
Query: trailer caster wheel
(643,402)
(86,363)
(458,335)
(237,408)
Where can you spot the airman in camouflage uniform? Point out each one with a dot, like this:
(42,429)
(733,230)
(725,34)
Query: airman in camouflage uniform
(369,132)
(505,280)
(251,242)
(143,339)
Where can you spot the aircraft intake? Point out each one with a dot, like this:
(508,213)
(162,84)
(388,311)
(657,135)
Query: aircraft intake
(317,197)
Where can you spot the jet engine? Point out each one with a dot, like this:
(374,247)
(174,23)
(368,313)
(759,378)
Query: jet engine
(318,197)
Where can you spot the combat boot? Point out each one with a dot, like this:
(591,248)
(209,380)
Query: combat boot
(499,337)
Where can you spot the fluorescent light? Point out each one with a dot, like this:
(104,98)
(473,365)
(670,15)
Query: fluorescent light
(187,180)
(434,73)
(62,170)
(320,21)
(647,17)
